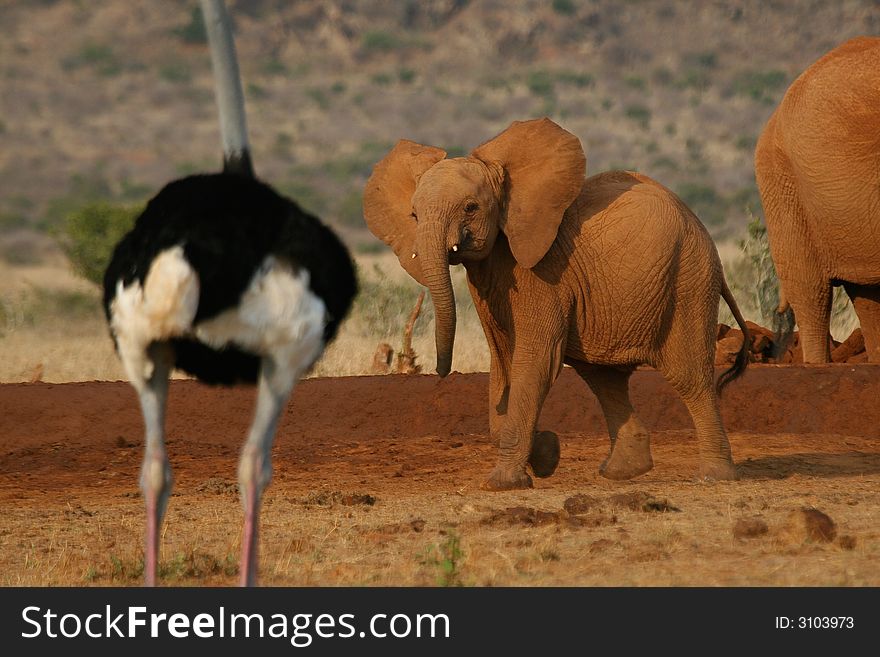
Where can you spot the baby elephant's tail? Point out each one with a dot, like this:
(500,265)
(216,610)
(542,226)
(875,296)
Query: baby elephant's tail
(742,358)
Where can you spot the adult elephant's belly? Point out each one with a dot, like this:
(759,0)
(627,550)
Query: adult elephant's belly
(844,226)
(839,190)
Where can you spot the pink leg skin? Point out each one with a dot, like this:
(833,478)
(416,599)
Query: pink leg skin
(255,463)
(155,470)
(151,551)
(250,540)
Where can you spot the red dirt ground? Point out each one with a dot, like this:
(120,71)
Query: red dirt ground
(65,447)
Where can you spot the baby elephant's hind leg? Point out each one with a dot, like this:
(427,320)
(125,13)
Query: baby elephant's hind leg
(630,442)
(697,390)
(544,456)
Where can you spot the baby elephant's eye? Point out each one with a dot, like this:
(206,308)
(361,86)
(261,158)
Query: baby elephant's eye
(471,207)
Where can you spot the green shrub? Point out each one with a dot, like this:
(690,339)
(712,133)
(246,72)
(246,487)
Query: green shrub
(89,235)
(350,211)
(256,91)
(662,75)
(97,56)
(580,80)
(745,143)
(319,96)
(702,59)
(664,162)
(759,85)
(194,31)
(636,82)
(564,7)
(10,221)
(764,286)
(540,83)
(705,202)
(638,113)
(274,66)
(306,196)
(694,78)
(381,41)
(176,72)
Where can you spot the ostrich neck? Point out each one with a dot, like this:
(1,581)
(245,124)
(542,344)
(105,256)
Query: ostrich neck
(227,87)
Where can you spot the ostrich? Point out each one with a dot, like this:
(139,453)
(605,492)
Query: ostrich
(230,282)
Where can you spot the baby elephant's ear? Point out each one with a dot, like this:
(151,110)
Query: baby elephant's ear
(388,199)
(545,168)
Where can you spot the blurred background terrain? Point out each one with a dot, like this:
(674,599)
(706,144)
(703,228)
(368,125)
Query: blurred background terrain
(103,102)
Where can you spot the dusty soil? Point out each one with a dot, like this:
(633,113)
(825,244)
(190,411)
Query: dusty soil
(376,482)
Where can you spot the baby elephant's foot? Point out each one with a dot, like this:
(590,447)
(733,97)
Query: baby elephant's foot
(545,453)
(507,479)
(718,470)
(630,456)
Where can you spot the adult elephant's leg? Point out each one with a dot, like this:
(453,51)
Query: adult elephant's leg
(810,298)
(802,281)
(532,372)
(630,453)
(866,301)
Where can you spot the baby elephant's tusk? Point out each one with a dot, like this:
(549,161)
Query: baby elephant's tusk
(413,256)
(455,248)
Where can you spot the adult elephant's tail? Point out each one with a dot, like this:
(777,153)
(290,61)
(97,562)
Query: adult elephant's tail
(783,326)
(742,358)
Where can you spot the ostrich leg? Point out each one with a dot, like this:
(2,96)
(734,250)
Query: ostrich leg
(155,470)
(255,465)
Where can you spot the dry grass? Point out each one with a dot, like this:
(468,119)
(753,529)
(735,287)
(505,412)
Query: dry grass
(52,327)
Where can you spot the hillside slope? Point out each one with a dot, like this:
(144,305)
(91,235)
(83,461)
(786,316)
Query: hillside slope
(105,99)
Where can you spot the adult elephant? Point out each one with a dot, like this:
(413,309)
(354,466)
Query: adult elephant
(817,165)
(603,273)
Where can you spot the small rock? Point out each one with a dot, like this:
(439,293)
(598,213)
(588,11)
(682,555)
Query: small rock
(852,346)
(601,545)
(329,498)
(518,515)
(761,344)
(727,348)
(217,486)
(577,504)
(749,528)
(350,499)
(858,358)
(846,542)
(529,517)
(382,359)
(640,501)
(808,525)
(757,329)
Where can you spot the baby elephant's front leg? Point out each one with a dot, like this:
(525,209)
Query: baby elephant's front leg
(517,442)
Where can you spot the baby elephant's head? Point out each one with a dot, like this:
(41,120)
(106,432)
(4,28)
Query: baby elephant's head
(434,212)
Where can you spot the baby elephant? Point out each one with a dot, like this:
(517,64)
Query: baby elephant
(603,273)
